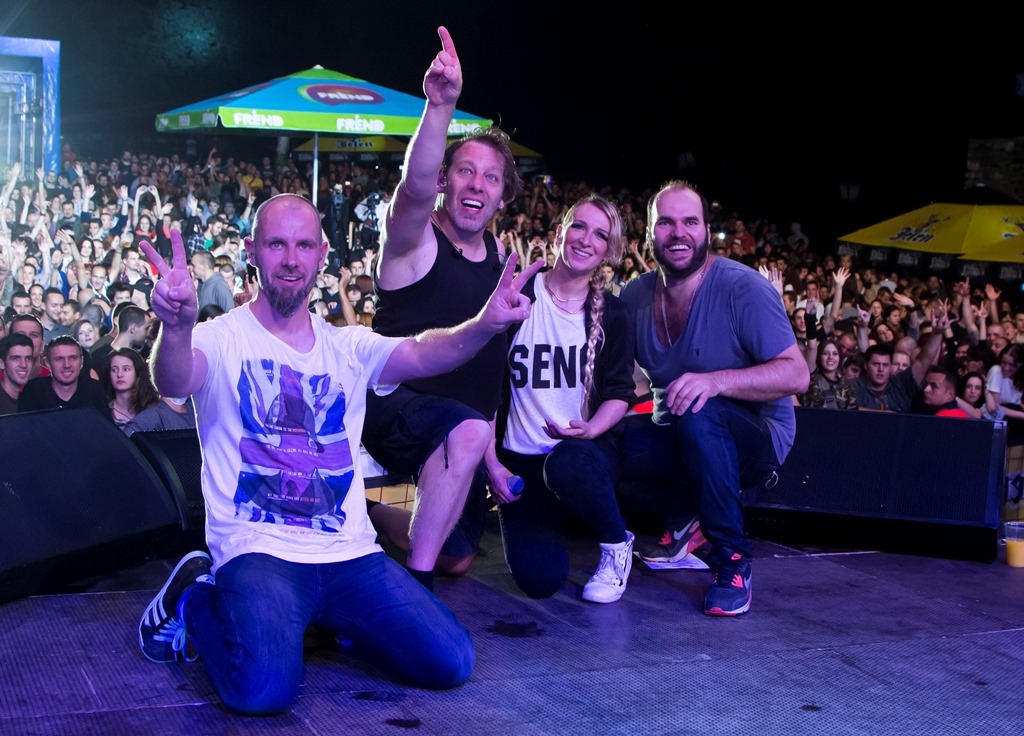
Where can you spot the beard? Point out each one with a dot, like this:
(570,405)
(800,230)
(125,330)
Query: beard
(700,257)
(286,302)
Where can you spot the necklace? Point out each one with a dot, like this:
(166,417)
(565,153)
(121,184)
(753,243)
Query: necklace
(560,299)
(564,301)
(689,305)
(126,414)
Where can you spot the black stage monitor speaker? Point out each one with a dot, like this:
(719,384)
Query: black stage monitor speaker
(76,499)
(894,482)
(175,456)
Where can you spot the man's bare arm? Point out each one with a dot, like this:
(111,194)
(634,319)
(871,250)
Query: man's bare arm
(407,224)
(783,375)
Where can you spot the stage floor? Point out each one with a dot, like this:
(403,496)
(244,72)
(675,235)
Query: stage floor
(837,642)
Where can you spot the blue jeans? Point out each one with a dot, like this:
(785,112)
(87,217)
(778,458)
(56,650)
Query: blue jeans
(248,627)
(577,478)
(707,458)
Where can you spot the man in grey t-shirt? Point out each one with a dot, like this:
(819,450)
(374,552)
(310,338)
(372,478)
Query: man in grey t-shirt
(717,347)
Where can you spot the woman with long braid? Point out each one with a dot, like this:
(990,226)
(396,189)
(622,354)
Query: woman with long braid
(569,382)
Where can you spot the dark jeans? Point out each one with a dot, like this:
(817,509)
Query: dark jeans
(706,458)
(248,627)
(577,478)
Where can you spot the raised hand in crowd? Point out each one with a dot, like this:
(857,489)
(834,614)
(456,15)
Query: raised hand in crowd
(903,300)
(993,294)
(863,327)
(940,314)
(774,277)
(839,278)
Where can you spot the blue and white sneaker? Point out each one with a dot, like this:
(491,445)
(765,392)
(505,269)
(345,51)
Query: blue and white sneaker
(162,636)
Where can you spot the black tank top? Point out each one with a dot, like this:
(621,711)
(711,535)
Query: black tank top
(452,291)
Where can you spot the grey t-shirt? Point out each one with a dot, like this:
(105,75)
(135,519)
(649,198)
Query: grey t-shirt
(160,417)
(737,321)
(898,396)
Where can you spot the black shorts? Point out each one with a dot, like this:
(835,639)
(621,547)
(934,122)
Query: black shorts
(403,429)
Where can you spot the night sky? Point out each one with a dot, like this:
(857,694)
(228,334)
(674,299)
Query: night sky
(774,111)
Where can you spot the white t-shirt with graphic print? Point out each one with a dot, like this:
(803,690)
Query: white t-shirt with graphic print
(280,432)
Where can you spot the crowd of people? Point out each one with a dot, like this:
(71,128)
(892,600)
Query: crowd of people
(524,344)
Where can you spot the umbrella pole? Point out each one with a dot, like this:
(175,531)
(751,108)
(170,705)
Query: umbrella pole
(316,167)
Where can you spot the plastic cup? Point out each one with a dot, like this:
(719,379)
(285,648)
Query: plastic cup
(1014,543)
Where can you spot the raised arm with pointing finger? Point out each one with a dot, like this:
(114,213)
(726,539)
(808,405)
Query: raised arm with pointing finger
(404,257)
(437,265)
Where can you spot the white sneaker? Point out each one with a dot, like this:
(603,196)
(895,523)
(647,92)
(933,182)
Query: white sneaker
(609,581)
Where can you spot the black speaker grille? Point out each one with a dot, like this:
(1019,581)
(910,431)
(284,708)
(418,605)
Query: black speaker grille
(175,455)
(71,482)
(895,467)
(892,465)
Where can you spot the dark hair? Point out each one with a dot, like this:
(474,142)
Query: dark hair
(15,339)
(208,312)
(877,349)
(948,374)
(962,387)
(363,301)
(62,340)
(856,359)
(497,139)
(116,287)
(25,318)
(145,394)
(130,315)
(821,348)
(206,257)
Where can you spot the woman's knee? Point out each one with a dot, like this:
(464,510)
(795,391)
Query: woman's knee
(540,570)
(536,584)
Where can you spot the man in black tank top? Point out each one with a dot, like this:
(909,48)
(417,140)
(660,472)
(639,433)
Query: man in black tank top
(436,267)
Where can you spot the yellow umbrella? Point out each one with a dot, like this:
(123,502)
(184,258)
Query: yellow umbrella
(362,144)
(1008,250)
(945,228)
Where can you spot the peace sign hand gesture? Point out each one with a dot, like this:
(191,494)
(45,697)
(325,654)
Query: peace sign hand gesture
(174,296)
(507,305)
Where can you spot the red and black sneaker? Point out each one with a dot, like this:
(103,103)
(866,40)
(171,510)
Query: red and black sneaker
(677,541)
(729,594)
